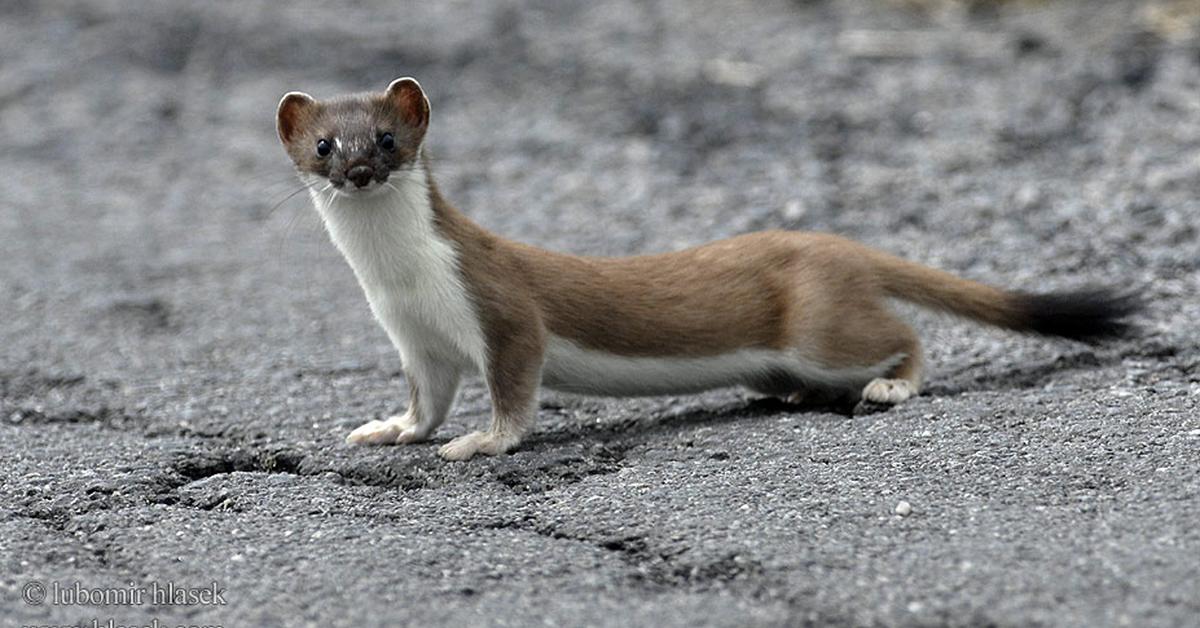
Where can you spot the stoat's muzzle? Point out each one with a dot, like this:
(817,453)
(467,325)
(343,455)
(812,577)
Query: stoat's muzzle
(361,175)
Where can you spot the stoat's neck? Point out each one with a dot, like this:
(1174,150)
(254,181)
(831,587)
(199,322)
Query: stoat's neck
(389,237)
(408,264)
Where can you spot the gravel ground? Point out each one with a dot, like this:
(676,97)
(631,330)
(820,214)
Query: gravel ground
(182,351)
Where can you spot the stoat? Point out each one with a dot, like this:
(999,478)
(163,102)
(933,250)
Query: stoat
(778,312)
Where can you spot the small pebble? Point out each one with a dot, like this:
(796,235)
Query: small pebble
(904,509)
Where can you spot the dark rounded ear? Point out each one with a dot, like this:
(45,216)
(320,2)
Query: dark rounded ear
(410,102)
(291,114)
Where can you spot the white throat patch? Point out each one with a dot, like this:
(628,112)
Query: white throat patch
(409,272)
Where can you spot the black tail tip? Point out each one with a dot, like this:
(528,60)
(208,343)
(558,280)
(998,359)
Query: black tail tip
(1089,314)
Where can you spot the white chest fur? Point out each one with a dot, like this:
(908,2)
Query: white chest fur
(410,274)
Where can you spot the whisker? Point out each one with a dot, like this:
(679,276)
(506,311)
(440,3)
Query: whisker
(304,187)
(291,178)
(328,188)
(293,222)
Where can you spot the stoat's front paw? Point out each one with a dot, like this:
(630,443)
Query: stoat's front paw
(486,443)
(397,430)
(888,391)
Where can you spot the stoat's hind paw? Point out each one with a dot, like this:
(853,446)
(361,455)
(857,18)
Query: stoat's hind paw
(797,398)
(397,430)
(486,443)
(888,391)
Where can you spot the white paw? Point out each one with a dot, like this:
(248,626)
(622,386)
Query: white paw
(486,443)
(889,391)
(398,430)
(794,399)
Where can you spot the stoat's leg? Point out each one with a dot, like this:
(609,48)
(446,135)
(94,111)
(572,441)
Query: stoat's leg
(795,394)
(382,432)
(865,334)
(889,391)
(795,398)
(432,386)
(513,375)
(903,382)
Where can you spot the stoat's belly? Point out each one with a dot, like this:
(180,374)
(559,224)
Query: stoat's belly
(571,368)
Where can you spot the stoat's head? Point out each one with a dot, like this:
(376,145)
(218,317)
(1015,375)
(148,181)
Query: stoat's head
(355,142)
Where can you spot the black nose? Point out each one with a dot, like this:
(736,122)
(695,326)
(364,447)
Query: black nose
(360,175)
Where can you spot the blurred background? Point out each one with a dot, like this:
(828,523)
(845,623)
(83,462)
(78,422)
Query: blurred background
(165,290)
(145,195)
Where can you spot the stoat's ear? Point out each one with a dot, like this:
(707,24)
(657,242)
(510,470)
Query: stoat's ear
(409,101)
(292,114)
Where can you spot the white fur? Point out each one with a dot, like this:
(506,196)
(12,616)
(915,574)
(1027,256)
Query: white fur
(889,391)
(571,368)
(411,278)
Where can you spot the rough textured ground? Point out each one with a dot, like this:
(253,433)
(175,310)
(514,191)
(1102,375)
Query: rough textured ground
(182,351)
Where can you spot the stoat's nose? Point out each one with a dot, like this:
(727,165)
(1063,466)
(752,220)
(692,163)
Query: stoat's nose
(360,175)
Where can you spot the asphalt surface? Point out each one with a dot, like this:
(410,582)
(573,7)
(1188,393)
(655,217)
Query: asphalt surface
(182,351)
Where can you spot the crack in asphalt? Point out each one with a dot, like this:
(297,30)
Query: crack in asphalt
(563,470)
(656,567)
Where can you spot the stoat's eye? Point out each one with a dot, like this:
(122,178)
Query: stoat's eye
(324,148)
(387,142)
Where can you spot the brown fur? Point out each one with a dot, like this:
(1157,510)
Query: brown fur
(770,290)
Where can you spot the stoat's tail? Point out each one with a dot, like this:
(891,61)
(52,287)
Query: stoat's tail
(1090,314)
